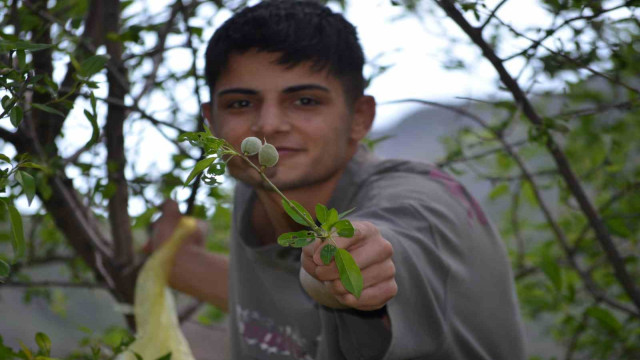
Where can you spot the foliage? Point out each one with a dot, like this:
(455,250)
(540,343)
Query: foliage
(560,145)
(219,152)
(83,82)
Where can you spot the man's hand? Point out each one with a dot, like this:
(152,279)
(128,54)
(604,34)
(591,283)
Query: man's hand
(372,253)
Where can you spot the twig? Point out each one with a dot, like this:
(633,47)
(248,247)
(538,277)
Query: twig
(573,184)
(572,60)
(492,14)
(551,32)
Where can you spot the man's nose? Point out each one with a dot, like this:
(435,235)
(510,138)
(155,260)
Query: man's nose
(271,120)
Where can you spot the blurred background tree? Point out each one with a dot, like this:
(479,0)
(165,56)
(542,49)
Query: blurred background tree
(90,93)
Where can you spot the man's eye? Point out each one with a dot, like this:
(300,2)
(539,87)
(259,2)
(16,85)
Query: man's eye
(239,104)
(306,101)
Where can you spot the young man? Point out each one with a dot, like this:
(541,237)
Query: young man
(437,283)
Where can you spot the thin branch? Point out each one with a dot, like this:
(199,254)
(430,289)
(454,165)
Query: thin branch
(74,157)
(114,131)
(551,32)
(200,126)
(558,155)
(571,60)
(528,176)
(492,14)
(158,53)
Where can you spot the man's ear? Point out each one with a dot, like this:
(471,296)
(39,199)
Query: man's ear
(364,111)
(208,114)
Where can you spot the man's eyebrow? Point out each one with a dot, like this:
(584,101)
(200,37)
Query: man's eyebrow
(303,87)
(242,91)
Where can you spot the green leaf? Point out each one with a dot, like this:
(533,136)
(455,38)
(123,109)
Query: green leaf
(327,253)
(345,213)
(16,115)
(93,65)
(296,239)
(95,134)
(529,194)
(551,269)
(605,318)
(200,166)
(31,165)
(294,215)
(332,217)
(22,58)
(165,357)
(26,351)
(344,228)
(28,184)
(350,275)
(618,227)
(16,227)
(44,343)
(499,191)
(321,213)
(46,108)
(22,45)
(5,158)
(5,269)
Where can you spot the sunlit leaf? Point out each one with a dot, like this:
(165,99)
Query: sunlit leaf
(350,275)
(44,343)
(200,166)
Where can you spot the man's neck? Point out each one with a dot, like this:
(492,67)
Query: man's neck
(268,217)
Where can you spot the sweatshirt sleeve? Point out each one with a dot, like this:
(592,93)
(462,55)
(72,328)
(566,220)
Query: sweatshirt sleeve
(455,297)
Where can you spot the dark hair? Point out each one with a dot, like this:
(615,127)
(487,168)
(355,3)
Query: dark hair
(300,31)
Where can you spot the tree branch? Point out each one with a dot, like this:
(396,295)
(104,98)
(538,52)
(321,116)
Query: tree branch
(558,155)
(114,131)
(551,32)
(158,52)
(492,14)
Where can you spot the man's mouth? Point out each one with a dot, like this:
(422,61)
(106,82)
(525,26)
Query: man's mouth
(287,151)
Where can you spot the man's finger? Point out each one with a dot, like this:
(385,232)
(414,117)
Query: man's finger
(372,298)
(371,276)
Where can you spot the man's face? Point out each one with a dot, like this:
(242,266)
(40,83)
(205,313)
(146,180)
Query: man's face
(301,112)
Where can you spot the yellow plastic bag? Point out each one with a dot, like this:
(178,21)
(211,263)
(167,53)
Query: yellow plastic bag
(154,306)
